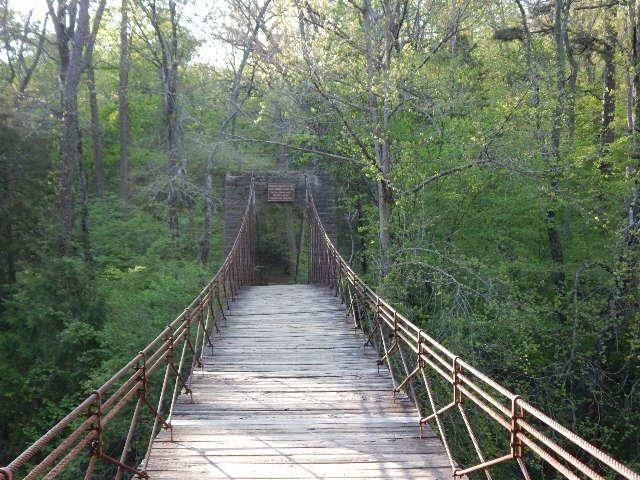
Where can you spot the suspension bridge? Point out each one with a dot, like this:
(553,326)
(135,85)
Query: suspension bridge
(324,380)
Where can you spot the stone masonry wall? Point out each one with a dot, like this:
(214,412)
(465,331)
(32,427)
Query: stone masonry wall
(236,191)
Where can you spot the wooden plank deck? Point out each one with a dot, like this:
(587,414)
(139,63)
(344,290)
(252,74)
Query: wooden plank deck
(289,393)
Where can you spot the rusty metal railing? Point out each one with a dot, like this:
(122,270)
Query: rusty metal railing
(76,447)
(416,362)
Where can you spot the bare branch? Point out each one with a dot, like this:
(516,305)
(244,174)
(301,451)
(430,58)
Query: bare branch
(444,173)
(601,5)
(31,68)
(333,156)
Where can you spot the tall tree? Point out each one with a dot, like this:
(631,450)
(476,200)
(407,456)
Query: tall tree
(74,39)
(71,23)
(381,44)
(571,87)
(531,67)
(165,26)
(560,36)
(123,104)
(254,22)
(607,51)
(96,126)
(23,49)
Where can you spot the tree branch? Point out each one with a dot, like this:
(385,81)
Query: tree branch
(442,174)
(334,156)
(601,5)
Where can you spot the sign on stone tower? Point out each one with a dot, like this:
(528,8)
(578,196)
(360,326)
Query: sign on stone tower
(281,192)
(277,186)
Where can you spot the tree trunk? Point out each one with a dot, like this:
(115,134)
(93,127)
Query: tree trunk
(608,90)
(70,73)
(7,218)
(10,254)
(84,204)
(385,193)
(558,38)
(208,209)
(174,167)
(173,195)
(571,89)
(531,69)
(385,206)
(173,162)
(169,73)
(96,127)
(553,232)
(629,99)
(379,118)
(123,105)
(635,62)
(630,25)
(68,158)
(282,158)
(74,41)
(67,163)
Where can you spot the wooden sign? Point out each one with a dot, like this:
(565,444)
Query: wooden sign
(281,192)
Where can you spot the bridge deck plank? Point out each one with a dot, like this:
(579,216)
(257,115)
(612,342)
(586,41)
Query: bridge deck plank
(288,392)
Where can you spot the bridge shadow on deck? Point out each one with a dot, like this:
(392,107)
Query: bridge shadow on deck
(289,392)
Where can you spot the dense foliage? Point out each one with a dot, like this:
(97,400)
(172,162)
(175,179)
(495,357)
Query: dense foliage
(486,160)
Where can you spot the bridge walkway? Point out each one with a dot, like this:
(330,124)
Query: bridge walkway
(288,391)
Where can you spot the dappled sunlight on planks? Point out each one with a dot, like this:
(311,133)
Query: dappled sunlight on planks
(288,391)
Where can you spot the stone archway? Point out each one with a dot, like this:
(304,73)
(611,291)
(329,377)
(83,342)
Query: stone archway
(279,195)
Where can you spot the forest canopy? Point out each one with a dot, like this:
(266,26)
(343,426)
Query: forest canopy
(486,154)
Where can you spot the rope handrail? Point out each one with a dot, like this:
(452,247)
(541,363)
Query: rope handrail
(419,359)
(134,388)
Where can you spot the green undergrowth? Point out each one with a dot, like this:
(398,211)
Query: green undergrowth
(68,325)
